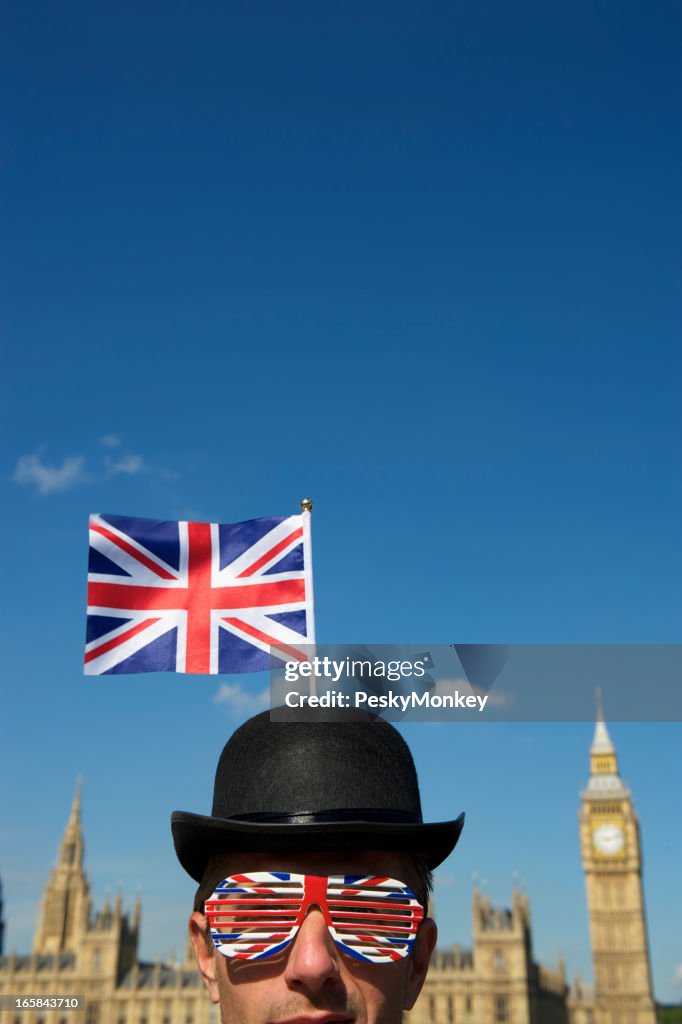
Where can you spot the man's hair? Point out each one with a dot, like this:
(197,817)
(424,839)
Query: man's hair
(421,881)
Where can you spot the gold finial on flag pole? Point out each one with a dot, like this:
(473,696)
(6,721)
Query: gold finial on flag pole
(306,505)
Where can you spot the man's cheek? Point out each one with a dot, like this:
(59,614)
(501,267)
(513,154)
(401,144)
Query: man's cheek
(381,989)
(230,1011)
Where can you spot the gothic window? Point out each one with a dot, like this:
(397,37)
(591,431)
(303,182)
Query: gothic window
(500,1009)
(451,1010)
(96,960)
(91,1013)
(468,1005)
(498,960)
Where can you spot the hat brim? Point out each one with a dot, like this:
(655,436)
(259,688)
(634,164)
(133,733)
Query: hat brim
(199,837)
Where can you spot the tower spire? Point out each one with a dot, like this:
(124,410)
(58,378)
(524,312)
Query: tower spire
(71,850)
(604,777)
(601,743)
(65,909)
(75,816)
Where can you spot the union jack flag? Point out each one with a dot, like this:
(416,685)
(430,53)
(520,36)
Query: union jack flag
(197,597)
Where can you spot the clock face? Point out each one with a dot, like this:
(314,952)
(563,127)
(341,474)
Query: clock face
(609,839)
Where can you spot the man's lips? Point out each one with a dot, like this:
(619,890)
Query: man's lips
(318,1018)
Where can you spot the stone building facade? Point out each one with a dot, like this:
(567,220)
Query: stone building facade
(496,981)
(95,955)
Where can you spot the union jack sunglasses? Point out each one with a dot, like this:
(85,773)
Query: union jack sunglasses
(370,917)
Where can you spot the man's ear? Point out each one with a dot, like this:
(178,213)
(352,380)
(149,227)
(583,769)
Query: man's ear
(418,961)
(204,953)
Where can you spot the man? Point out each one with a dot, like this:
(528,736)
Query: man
(314,874)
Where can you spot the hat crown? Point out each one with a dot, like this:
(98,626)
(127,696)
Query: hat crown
(326,783)
(321,767)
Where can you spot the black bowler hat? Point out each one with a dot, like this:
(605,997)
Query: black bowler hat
(311,785)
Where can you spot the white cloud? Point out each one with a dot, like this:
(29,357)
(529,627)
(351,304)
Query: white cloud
(132,464)
(31,470)
(496,699)
(129,464)
(241,701)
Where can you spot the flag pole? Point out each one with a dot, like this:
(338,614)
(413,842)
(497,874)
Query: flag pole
(306,516)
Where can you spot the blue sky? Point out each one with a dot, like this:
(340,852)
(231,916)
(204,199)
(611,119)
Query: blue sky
(417,262)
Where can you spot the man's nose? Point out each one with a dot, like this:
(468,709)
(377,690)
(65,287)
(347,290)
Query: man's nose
(313,958)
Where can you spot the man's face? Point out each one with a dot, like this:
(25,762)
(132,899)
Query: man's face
(312,981)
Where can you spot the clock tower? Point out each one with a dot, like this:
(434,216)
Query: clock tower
(612,860)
